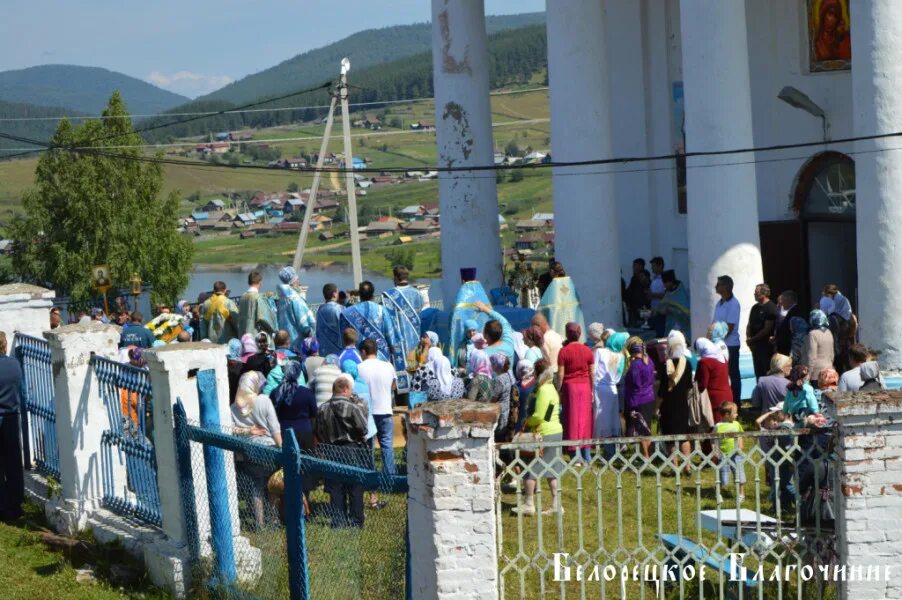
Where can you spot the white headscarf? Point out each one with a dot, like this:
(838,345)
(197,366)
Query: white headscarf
(249,386)
(441,366)
(707,349)
(676,345)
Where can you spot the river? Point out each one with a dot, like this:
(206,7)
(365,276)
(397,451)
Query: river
(203,276)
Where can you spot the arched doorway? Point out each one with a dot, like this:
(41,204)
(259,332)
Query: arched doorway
(824,201)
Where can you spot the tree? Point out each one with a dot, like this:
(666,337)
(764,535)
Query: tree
(512,149)
(516,175)
(396,123)
(88,209)
(293,187)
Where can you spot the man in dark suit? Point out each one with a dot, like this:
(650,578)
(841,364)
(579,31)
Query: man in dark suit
(783,335)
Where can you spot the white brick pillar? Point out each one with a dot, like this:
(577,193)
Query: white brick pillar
(81,419)
(173,371)
(869,523)
(25,308)
(450,503)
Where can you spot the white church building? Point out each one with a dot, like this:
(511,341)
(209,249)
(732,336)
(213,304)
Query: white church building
(645,78)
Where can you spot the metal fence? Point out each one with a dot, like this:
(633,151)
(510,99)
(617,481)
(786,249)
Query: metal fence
(126,394)
(38,411)
(291,541)
(758,523)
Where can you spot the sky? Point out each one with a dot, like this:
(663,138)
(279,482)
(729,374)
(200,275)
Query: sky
(193,47)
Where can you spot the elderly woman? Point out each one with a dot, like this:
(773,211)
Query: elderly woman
(295,405)
(818,350)
(442,384)
(610,363)
(544,418)
(264,359)
(639,393)
(481,388)
(717,333)
(771,389)
(253,415)
(675,384)
(504,383)
(576,372)
(713,375)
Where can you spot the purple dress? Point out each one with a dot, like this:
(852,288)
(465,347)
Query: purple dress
(639,397)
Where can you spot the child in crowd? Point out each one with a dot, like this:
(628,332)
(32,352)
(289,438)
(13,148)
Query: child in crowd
(350,352)
(774,420)
(731,457)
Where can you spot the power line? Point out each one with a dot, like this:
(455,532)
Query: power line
(250,110)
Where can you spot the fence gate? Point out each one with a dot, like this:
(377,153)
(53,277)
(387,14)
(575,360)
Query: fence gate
(621,525)
(126,394)
(39,413)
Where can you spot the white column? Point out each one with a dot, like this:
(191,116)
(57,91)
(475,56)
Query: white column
(81,419)
(585,213)
(468,199)
(626,71)
(722,199)
(876,81)
(25,308)
(450,501)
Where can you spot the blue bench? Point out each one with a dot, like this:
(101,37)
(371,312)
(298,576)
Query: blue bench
(684,547)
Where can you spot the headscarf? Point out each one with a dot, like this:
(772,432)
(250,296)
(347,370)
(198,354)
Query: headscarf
(249,386)
(719,331)
(479,363)
(248,346)
(499,361)
(331,359)
(479,342)
(827,305)
(827,379)
(817,319)
(441,367)
(471,325)
(636,347)
(310,347)
(261,338)
(284,392)
(433,337)
(572,331)
(708,349)
(869,370)
(676,345)
(616,342)
(798,377)
(534,336)
(136,357)
(235,348)
(596,331)
(526,370)
(842,306)
(287,275)
(778,363)
(350,367)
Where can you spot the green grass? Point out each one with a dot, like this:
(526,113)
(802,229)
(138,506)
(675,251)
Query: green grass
(32,572)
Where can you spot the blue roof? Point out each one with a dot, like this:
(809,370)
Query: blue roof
(259,213)
(276,213)
(200,216)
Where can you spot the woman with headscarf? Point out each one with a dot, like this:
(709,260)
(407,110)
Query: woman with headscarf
(675,384)
(504,383)
(544,418)
(639,393)
(595,335)
(610,365)
(295,405)
(717,334)
(471,329)
(310,358)
(234,366)
(713,375)
(254,416)
(264,359)
(800,400)
(817,352)
(481,387)
(843,324)
(443,385)
(576,373)
(417,361)
(534,339)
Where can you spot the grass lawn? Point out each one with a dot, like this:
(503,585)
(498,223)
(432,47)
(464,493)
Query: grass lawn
(32,572)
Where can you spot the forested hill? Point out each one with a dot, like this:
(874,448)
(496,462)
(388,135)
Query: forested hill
(365,49)
(85,89)
(37,129)
(514,55)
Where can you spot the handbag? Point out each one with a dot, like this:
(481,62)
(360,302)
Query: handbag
(701,419)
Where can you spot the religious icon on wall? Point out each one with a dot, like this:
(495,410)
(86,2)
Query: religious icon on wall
(829,35)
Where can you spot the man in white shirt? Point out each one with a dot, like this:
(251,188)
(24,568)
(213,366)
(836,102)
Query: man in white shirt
(381,378)
(727,310)
(657,290)
(553,341)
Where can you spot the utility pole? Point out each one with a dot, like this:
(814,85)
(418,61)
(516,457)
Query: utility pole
(356,266)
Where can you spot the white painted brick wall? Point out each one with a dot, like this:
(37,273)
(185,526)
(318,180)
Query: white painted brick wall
(451,507)
(25,308)
(869,526)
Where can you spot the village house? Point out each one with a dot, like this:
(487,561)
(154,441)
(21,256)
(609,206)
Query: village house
(381,229)
(288,227)
(319,222)
(530,225)
(412,211)
(420,227)
(215,204)
(245,219)
(534,241)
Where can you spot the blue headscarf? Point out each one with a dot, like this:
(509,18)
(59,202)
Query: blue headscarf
(817,319)
(719,331)
(350,367)
(284,392)
(235,348)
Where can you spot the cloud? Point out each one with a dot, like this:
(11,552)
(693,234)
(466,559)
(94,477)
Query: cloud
(188,83)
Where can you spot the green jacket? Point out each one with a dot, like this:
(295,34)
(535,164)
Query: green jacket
(546,395)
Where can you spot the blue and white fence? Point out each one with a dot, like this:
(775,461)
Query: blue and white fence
(38,411)
(126,394)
